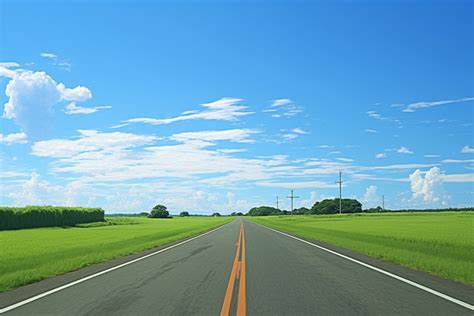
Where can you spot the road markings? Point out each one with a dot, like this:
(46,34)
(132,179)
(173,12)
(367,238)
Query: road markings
(237,272)
(419,286)
(39,296)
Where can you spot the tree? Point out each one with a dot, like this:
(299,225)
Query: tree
(264,211)
(216,214)
(331,206)
(159,211)
(233,214)
(301,211)
(183,214)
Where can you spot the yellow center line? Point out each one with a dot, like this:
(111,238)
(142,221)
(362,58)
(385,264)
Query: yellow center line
(238,272)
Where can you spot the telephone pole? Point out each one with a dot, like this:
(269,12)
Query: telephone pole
(292,197)
(340,191)
(278,204)
(383,203)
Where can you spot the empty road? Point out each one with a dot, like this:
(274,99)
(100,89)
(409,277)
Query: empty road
(243,268)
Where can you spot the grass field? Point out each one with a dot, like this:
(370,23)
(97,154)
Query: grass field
(29,255)
(438,243)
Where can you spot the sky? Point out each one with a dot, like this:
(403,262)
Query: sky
(225,105)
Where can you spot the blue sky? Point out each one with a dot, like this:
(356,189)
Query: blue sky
(221,106)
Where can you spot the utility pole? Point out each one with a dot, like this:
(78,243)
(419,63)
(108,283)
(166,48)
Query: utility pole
(292,197)
(278,204)
(340,191)
(383,203)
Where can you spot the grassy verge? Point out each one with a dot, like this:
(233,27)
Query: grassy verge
(30,255)
(439,243)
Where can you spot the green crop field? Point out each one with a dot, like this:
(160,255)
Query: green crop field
(438,243)
(29,255)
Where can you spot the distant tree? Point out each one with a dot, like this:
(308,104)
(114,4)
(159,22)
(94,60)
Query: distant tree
(216,214)
(331,206)
(143,214)
(377,209)
(264,211)
(183,214)
(239,214)
(301,211)
(233,214)
(159,211)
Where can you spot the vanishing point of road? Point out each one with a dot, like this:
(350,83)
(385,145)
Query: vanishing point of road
(243,268)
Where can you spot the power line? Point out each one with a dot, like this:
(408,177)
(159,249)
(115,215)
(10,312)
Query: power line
(292,197)
(340,191)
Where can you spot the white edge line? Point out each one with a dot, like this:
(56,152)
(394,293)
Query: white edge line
(421,287)
(65,286)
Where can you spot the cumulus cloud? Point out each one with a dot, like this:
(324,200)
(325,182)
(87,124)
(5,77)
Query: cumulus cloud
(419,105)
(428,188)
(72,108)
(225,109)
(404,150)
(371,197)
(467,150)
(32,97)
(381,155)
(9,139)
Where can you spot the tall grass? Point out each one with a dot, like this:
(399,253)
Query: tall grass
(438,243)
(47,216)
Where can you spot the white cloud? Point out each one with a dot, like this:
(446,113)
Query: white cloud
(233,135)
(428,188)
(370,131)
(290,136)
(374,114)
(326,146)
(281,102)
(225,109)
(381,155)
(299,131)
(309,202)
(32,97)
(33,191)
(5,70)
(371,197)
(404,150)
(298,184)
(78,94)
(19,138)
(345,159)
(418,105)
(72,108)
(92,142)
(458,178)
(49,56)
(432,156)
(467,150)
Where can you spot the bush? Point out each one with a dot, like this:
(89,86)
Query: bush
(47,216)
(183,214)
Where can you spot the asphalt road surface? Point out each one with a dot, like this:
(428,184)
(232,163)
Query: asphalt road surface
(243,268)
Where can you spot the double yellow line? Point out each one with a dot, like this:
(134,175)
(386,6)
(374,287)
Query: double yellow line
(237,273)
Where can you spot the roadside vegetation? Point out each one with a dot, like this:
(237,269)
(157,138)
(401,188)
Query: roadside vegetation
(47,216)
(29,255)
(439,243)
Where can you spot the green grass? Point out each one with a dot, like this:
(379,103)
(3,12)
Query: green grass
(439,243)
(30,255)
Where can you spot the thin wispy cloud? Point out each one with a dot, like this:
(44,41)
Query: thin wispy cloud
(419,105)
(225,109)
(404,150)
(72,108)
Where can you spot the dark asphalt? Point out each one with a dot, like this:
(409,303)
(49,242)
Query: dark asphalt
(283,276)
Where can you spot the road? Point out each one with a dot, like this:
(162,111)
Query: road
(243,268)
